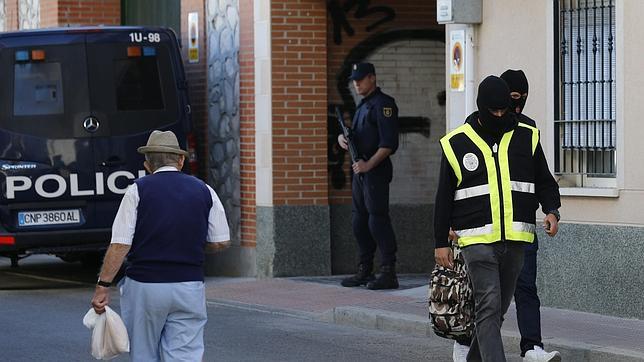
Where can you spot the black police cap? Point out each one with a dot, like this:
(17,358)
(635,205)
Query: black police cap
(361,70)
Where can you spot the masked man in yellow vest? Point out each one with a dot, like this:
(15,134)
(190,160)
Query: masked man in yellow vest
(493,176)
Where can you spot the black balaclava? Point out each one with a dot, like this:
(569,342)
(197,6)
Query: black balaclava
(517,82)
(494,94)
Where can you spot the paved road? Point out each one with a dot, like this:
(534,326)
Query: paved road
(43,302)
(45,325)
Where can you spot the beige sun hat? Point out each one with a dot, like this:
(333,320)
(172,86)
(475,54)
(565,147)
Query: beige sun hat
(163,142)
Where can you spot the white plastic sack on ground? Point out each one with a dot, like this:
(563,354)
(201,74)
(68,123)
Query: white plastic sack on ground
(109,336)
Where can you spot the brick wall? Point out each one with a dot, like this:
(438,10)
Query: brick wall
(59,13)
(299,101)
(88,12)
(11,15)
(395,16)
(197,80)
(247,124)
(48,13)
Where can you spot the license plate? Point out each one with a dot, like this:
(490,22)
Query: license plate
(49,217)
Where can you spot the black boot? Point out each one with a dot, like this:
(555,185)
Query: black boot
(386,279)
(362,277)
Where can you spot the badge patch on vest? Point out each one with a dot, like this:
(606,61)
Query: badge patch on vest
(387,111)
(470,162)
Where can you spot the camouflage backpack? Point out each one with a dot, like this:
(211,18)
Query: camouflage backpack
(451,300)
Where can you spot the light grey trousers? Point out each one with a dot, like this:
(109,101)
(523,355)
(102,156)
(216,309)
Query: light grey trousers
(165,321)
(494,270)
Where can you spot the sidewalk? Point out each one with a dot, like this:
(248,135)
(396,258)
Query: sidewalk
(578,336)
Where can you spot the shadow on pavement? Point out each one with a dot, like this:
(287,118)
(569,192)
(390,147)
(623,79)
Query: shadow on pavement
(45,272)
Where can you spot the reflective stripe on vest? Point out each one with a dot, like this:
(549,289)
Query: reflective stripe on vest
(518,186)
(471,192)
(480,231)
(489,233)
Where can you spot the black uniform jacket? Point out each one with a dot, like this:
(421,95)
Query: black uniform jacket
(375,125)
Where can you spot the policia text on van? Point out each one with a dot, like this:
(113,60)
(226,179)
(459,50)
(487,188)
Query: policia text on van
(74,104)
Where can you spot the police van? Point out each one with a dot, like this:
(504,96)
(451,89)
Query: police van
(75,103)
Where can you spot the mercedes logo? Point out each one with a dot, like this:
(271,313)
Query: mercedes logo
(91,124)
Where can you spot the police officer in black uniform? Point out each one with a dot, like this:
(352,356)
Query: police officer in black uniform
(375,135)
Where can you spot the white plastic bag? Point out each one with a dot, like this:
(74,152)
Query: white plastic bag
(109,335)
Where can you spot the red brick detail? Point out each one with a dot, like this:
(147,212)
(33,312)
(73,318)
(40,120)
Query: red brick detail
(60,13)
(247,124)
(299,59)
(11,13)
(196,74)
(410,14)
(248,244)
(48,13)
(85,12)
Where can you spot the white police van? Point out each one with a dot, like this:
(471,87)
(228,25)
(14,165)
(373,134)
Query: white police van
(75,103)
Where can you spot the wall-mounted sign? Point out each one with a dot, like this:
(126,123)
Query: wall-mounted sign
(444,11)
(457,60)
(458,11)
(193,37)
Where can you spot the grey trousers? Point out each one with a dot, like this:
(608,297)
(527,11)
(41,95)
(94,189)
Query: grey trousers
(165,321)
(494,269)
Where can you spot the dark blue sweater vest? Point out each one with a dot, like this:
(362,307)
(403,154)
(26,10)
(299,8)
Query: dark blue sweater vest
(171,229)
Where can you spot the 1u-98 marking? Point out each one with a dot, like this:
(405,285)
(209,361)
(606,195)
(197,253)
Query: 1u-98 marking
(140,37)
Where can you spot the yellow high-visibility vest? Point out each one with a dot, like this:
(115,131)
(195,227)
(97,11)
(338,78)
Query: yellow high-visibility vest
(495,194)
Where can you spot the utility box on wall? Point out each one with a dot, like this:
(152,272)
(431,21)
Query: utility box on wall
(458,11)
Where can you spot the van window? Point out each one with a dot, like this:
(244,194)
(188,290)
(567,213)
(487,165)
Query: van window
(38,89)
(137,82)
(136,93)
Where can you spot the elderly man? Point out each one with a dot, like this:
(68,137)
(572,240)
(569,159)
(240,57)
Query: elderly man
(163,225)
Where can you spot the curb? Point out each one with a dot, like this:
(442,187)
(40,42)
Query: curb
(417,326)
(211,302)
(421,327)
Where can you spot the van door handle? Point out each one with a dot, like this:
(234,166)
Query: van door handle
(113,161)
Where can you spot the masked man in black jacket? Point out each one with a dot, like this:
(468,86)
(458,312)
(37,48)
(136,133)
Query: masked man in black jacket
(493,175)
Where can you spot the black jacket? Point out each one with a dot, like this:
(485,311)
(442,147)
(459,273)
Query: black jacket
(546,188)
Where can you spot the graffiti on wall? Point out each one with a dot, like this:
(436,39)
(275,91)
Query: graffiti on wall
(340,15)
(29,14)
(2,15)
(407,124)
(223,27)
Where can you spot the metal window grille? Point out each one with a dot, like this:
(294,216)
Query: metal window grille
(585,124)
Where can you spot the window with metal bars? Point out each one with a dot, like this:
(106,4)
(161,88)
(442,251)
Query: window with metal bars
(585,120)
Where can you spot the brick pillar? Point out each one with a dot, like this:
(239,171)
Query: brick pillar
(11,13)
(48,13)
(247,120)
(295,238)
